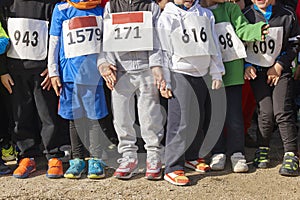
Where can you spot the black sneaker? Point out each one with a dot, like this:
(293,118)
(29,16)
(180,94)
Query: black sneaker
(261,159)
(4,169)
(290,165)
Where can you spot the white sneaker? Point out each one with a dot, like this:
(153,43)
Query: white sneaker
(238,162)
(218,162)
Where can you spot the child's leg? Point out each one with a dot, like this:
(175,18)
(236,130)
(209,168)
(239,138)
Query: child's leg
(124,115)
(263,96)
(283,104)
(234,120)
(150,114)
(183,123)
(78,137)
(201,91)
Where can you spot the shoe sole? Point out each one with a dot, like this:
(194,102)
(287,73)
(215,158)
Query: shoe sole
(25,175)
(8,171)
(175,183)
(151,177)
(133,173)
(54,176)
(187,165)
(72,176)
(95,176)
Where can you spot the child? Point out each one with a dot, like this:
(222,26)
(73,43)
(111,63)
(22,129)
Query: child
(130,74)
(34,104)
(268,68)
(230,26)
(74,53)
(188,57)
(4,42)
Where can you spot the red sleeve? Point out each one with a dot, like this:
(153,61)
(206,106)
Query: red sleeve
(103,2)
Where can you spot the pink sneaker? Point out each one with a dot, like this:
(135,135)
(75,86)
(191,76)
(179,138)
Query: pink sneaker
(127,168)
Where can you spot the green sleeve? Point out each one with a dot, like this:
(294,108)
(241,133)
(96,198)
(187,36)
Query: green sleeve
(244,30)
(2,32)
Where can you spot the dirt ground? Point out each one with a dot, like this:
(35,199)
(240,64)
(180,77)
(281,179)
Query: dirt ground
(256,184)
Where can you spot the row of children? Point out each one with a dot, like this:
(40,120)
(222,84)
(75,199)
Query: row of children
(178,48)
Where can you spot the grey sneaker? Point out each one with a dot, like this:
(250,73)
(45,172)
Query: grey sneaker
(218,162)
(238,162)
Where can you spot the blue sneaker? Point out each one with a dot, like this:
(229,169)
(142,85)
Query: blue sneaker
(96,168)
(77,167)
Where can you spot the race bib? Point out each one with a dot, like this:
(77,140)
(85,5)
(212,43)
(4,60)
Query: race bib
(29,38)
(231,46)
(264,53)
(82,36)
(132,31)
(193,38)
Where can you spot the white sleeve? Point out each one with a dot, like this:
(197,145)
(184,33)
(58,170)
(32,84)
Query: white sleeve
(164,31)
(217,68)
(108,56)
(53,56)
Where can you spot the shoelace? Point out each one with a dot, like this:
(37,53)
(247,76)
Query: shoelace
(125,161)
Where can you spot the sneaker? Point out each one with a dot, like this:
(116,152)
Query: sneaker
(177,178)
(77,167)
(198,165)
(8,153)
(96,168)
(153,171)
(218,162)
(261,159)
(4,169)
(290,165)
(55,168)
(26,166)
(128,168)
(238,163)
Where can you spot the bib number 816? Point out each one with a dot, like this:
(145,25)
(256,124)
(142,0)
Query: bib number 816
(186,37)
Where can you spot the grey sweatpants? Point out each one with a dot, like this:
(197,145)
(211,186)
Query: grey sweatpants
(150,117)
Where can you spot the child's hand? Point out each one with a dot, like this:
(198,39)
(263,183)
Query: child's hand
(165,91)
(274,74)
(264,31)
(46,84)
(108,72)
(216,84)
(56,84)
(7,82)
(250,73)
(158,76)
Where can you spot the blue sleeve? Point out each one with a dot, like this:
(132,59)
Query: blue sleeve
(3,45)
(246,65)
(56,22)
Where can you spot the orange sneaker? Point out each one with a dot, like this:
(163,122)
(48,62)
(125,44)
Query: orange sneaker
(26,166)
(55,168)
(177,178)
(198,165)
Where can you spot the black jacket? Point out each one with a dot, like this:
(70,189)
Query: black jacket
(282,16)
(33,9)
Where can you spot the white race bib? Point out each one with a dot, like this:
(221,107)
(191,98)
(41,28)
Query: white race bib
(29,38)
(82,36)
(128,31)
(231,46)
(264,53)
(194,38)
